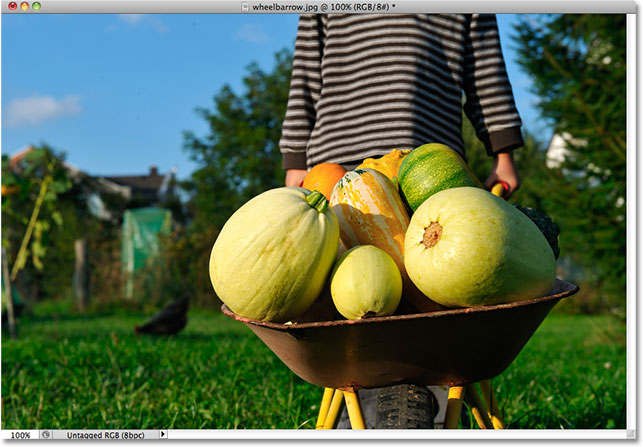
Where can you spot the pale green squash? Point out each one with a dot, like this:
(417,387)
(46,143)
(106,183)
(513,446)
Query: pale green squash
(466,247)
(365,282)
(273,255)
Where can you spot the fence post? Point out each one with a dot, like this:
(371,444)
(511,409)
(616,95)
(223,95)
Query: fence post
(81,274)
(8,293)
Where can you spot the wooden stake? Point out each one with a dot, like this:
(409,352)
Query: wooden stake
(7,292)
(81,275)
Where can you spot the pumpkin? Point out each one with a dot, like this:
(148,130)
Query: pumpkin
(322,177)
(365,282)
(272,257)
(370,211)
(466,247)
(431,168)
(389,164)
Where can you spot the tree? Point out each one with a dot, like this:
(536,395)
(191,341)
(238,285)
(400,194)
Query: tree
(240,156)
(577,66)
(238,159)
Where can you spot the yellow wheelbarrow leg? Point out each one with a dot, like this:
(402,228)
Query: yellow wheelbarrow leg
(492,404)
(333,411)
(323,408)
(454,407)
(478,407)
(354,410)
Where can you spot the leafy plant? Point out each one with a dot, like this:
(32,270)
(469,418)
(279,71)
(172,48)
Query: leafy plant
(32,188)
(577,66)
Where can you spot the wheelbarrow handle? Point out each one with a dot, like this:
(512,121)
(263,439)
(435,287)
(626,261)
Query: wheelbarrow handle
(500,188)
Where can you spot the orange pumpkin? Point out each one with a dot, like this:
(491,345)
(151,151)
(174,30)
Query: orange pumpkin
(323,177)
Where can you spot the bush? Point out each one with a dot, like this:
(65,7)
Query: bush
(184,265)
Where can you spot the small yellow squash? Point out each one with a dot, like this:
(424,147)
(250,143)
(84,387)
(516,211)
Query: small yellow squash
(365,282)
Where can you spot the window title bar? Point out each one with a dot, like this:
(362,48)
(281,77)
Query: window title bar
(310,6)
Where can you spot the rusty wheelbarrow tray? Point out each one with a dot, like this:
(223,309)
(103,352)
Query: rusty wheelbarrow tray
(436,348)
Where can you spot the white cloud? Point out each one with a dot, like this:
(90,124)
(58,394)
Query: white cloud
(143,19)
(37,109)
(252,33)
(132,19)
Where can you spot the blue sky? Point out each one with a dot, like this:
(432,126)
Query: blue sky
(115,92)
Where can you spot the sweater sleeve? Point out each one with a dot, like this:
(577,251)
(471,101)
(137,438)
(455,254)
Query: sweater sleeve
(490,104)
(305,88)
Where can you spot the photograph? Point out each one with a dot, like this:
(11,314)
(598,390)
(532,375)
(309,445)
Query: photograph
(333,219)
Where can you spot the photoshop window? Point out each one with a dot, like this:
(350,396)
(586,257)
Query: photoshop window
(352,220)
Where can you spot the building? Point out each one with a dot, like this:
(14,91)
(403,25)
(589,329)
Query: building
(145,190)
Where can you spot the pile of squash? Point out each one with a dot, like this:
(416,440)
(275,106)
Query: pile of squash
(413,231)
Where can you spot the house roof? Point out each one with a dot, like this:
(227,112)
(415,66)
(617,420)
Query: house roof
(150,186)
(140,182)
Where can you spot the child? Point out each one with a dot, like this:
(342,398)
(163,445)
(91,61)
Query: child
(365,84)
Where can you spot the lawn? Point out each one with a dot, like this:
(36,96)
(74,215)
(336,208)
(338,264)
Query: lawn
(79,371)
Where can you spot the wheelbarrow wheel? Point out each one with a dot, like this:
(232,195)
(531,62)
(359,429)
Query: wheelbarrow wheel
(405,407)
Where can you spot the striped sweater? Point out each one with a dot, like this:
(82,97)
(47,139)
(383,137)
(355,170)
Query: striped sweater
(363,85)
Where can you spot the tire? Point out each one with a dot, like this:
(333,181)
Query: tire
(405,407)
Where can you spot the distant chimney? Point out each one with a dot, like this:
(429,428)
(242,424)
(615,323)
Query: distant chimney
(153,171)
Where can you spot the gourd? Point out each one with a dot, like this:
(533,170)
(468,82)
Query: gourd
(322,177)
(272,257)
(431,168)
(389,164)
(365,282)
(370,211)
(466,247)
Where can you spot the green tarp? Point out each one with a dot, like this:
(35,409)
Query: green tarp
(141,228)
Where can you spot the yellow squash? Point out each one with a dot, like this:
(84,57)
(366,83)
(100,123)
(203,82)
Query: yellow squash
(365,282)
(389,164)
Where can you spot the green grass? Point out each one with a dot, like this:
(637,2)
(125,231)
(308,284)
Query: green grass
(93,372)
(571,374)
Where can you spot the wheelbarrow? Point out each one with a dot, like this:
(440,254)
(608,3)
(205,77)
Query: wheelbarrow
(424,349)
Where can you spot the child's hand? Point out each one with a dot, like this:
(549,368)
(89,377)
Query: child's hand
(504,170)
(294,177)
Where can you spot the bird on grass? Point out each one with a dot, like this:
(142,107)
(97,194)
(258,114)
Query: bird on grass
(169,320)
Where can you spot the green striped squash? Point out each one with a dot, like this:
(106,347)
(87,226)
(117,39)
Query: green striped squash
(431,168)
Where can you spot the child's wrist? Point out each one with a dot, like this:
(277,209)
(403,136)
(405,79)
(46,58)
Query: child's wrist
(507,155)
